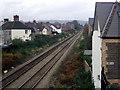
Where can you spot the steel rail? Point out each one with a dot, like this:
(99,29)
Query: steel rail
(44,55)
(37,72)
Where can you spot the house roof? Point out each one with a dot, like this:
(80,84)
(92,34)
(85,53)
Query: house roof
(30,24)
(35,26)
(40,26)
(14,25)
(47,26)
(56,25)
(102,11)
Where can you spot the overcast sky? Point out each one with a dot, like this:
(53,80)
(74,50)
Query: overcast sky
(29,10)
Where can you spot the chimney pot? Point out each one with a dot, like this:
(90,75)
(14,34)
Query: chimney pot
(16,18)
(6,20)
(34,21)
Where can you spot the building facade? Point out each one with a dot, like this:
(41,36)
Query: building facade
(106,42)
(15,30)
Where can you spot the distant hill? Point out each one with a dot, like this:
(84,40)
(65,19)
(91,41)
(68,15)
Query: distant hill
(63,21)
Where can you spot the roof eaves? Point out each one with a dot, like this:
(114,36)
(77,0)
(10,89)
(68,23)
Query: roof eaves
(105,2)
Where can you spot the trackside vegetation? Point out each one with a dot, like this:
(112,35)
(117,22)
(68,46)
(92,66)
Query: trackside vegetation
(20,51)
(71,73)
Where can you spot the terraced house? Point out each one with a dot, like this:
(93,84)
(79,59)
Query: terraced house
(106,43)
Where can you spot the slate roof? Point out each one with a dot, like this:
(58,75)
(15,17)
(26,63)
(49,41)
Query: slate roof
(102,11)
(29,24)
(58,26)
(47,26)
(35,26)
(14,25)
(40,26)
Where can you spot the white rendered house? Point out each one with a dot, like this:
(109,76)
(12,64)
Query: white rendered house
(15,30)
(24,34)
(59,30)
(46,31)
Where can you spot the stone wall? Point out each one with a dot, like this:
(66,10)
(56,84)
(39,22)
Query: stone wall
(111,59)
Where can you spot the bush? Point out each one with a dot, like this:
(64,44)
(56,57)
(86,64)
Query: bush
(72,73)
(82,45)
(88,59)
(10,60)
(83,80)
(7,60)
(18,43)
(20,49)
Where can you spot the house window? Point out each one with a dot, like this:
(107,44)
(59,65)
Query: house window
(26,31)
(110,63)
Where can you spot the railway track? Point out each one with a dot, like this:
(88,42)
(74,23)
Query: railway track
(12,77)
(44,69)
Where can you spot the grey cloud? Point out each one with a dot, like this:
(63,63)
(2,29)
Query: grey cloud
(75,10)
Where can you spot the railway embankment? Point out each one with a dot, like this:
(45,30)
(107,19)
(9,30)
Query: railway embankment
(36,70)
(71,73)
(20,52)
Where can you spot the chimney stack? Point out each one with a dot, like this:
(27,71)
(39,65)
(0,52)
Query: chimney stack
(34,21)
(6,20)
(16,18)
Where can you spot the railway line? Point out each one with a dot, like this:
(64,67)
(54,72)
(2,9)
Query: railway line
(32,73)
(9,79)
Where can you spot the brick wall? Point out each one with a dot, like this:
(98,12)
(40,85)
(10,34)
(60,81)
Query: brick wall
(111,59)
